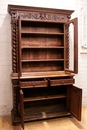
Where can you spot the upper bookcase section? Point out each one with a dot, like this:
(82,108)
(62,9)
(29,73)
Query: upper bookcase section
(46,31)
(39,14)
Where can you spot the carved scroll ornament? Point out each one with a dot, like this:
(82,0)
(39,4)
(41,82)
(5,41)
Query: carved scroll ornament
(43,16)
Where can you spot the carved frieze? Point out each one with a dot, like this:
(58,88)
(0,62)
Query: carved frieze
(43,16)
(39,16)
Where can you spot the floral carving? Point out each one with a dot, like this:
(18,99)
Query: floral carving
(43,16)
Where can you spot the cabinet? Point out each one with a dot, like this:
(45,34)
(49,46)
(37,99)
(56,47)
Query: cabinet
(44,60)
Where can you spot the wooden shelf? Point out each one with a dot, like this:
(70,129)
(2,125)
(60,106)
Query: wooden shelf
(45,112)
(42,47)
(41,33)
(43,60)
(44,97)
(42,74)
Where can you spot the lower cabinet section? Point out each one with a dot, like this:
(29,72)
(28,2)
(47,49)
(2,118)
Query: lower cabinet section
(47,98)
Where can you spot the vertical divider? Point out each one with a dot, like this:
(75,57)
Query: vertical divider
(20,64)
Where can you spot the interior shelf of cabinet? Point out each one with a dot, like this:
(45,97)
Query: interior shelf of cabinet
(42,41)
(41,33)
(44,97)
(41,27)
(42,60)
(37,47)
(44,112)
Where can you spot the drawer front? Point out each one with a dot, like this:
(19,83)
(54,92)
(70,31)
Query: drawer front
(57,82)
(42,83)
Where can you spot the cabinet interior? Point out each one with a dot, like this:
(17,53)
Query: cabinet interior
(41,46)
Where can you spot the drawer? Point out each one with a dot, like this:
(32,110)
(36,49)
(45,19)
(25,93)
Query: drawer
(56,82)
(38,83)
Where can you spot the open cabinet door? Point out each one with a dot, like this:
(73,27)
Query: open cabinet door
(71,46)
(21,109)
(74,101)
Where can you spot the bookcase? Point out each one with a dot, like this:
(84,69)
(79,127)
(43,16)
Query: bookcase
(42,71)
(41,46)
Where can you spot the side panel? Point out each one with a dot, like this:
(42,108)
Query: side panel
(74,101)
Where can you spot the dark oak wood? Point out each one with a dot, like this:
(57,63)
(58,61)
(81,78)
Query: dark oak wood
(42,74)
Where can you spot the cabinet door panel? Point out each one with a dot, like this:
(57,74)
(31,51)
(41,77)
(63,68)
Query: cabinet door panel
(71,45)
(74,101)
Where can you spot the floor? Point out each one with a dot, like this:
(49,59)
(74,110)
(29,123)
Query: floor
(65,123)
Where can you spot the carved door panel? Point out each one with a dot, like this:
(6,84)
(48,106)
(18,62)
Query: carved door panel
(71,46)
(74,101)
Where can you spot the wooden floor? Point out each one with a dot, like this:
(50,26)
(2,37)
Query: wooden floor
(65,123)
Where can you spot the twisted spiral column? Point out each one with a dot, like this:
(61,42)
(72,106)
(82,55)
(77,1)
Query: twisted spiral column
(15,46)
(67,46)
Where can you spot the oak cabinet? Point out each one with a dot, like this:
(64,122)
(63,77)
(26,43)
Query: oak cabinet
(44,60)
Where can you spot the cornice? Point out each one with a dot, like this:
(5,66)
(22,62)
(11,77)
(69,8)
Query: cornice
(18,8)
